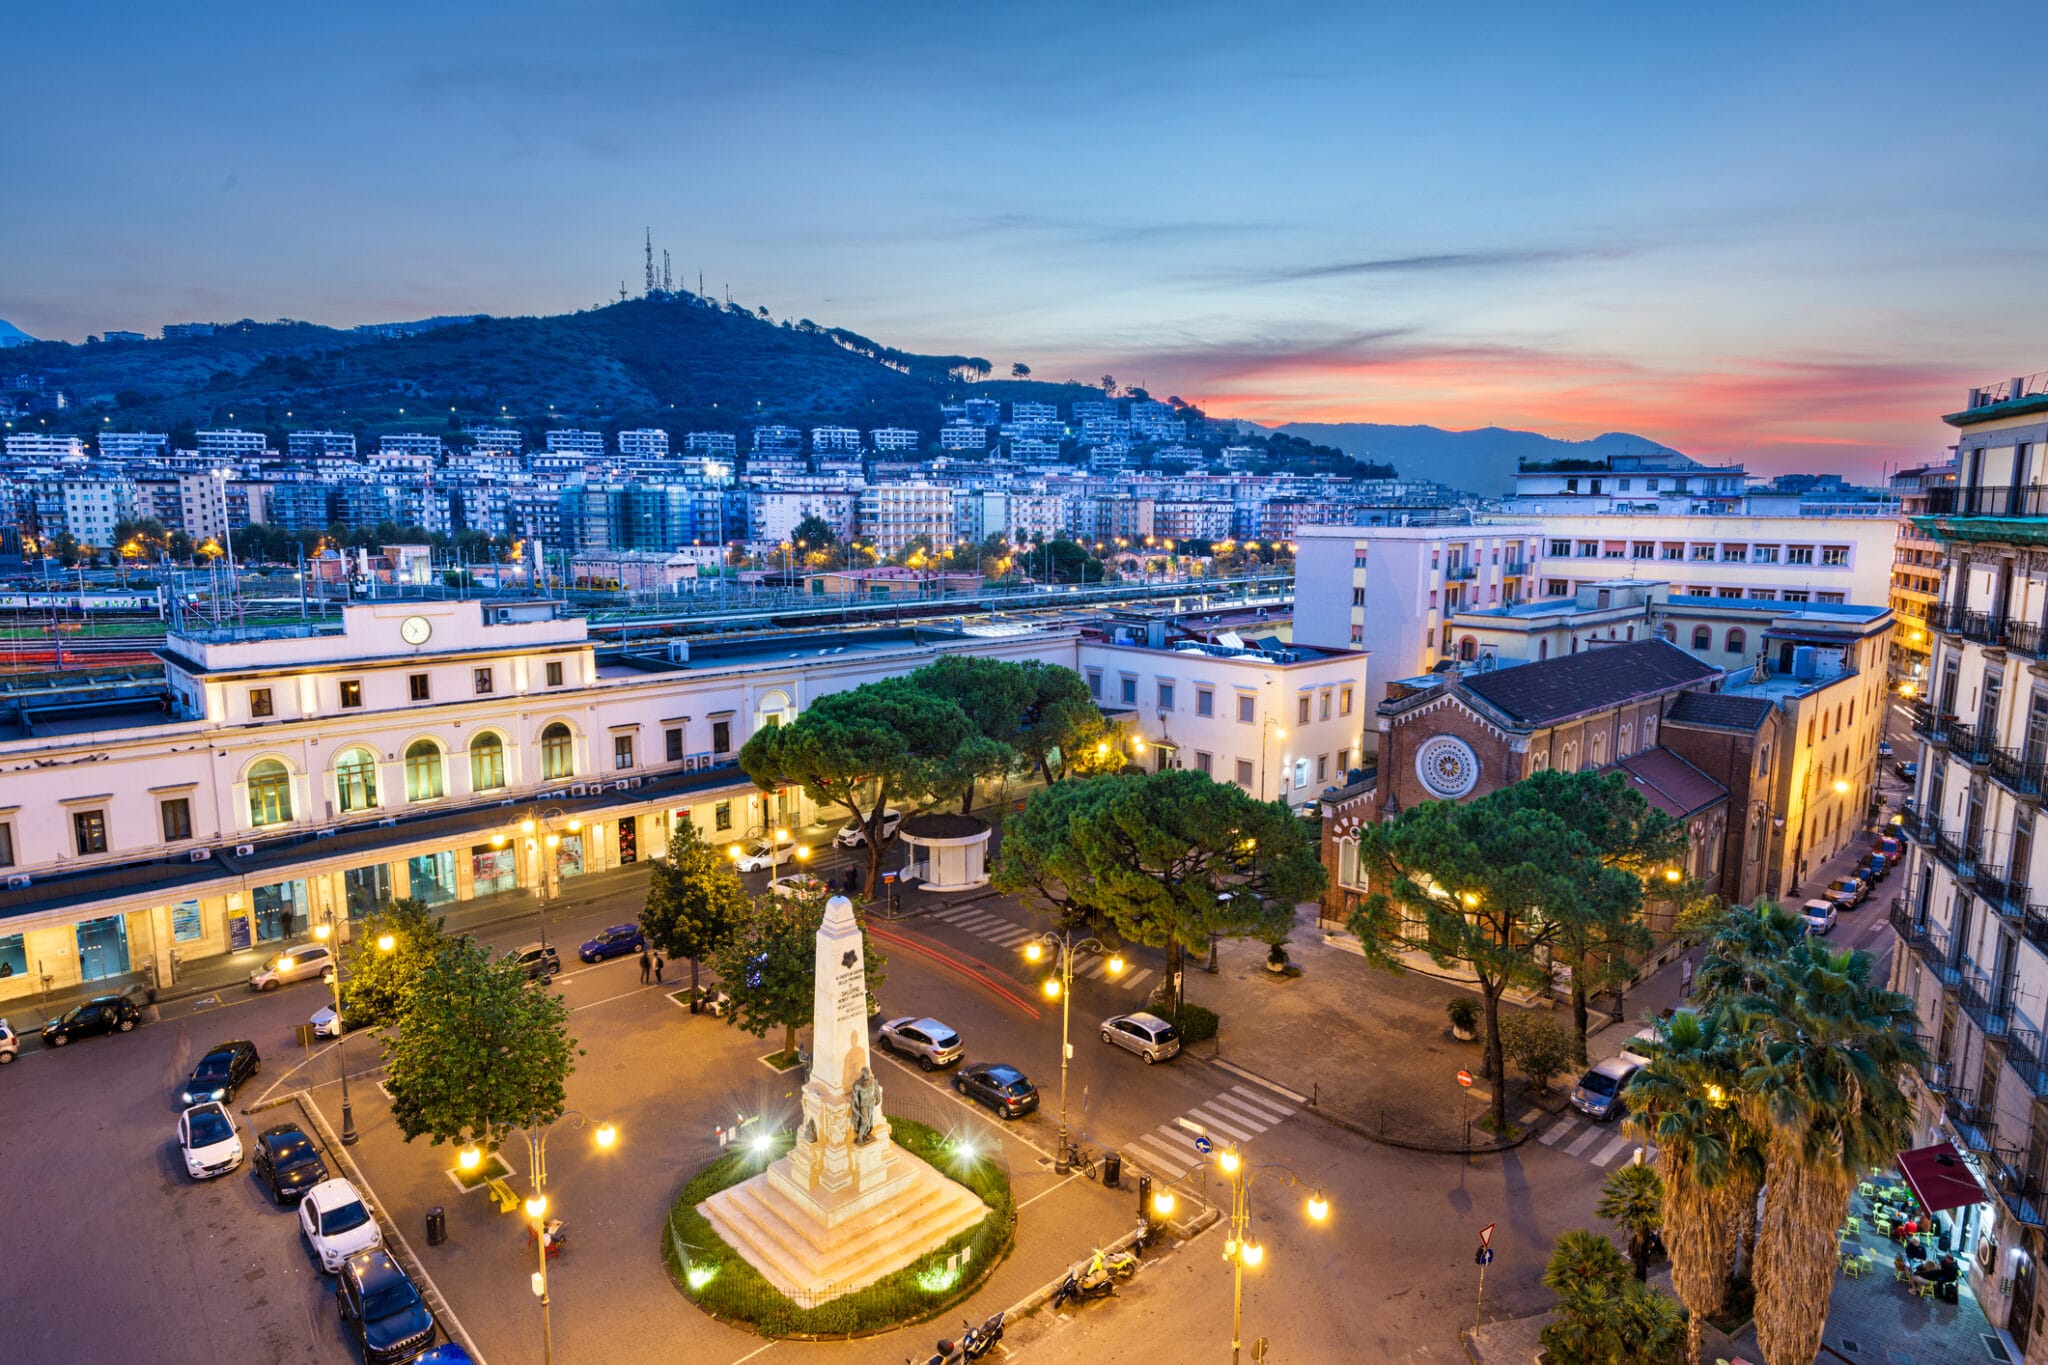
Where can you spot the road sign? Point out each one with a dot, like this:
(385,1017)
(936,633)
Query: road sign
(1486,1234)
(1465,1079)
(1483,1257)
(1203,1145)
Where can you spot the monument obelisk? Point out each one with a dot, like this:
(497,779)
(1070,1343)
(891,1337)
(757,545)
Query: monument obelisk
(846,1206)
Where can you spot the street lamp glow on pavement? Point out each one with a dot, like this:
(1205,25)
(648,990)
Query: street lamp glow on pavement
(1060,986)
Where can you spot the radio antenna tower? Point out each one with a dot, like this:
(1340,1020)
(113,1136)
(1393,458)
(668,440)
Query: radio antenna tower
(650,260)
(667,280)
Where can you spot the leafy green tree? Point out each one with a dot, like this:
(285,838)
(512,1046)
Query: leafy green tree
(996,695)
(1538,1044)
(376,982)
(815,532)
(769,965)
(1062,731)
(480,1049)
(1166,859)
(865,750)
(1020,371)
(1070,562)
(1632,1198)
(1603,1316)
(694,901)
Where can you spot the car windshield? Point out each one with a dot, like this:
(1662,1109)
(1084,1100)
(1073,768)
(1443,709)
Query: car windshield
(388,1302)
(213,1066)
(343,1218)
(70,1014)
(944,1037)
(1165,1033)
(292,1150)
(1020,1086)
(210,1126)
(1599,1082)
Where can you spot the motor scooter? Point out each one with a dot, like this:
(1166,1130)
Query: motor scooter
(977,1342)
(1078,1286)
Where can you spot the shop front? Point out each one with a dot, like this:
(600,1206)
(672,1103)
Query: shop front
(492,869)
(103,948)
(279,911)
(430,877)
(366,889)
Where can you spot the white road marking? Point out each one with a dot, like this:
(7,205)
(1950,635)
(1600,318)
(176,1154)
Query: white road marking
(1558,1130)
(1585,1140)
(1158,1153)
(1236,1130)
(1611,1150)
(1256,1101)
(1233,1108)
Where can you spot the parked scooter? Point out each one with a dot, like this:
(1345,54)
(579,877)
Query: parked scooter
(1079,1286)
(1118,1265)
(977,1342)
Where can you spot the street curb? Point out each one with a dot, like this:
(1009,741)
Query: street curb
(1349,1126)
(1041,1296)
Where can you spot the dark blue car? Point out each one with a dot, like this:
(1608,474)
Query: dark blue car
(616,941)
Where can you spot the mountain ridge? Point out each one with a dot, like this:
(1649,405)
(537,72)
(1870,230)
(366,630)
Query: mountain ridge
(1480,460)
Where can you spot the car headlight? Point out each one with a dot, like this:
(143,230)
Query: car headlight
(217,1094)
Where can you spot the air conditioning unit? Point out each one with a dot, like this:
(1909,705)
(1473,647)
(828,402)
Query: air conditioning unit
(551,796)
(388,820)
(635,782)
(18,882)
(621,785)
(200,855)
(244,850)
(580,789)
(323,834)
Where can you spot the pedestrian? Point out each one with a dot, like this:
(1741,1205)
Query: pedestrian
(646,966)
(657,969)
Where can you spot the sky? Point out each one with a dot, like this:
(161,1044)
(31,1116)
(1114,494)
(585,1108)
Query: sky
(1787,235)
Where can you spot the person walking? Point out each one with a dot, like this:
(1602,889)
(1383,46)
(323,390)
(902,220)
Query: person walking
(646,967)
(657,969)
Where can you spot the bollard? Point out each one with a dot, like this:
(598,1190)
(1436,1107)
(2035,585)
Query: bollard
(437,1226)
(1145,1214)
(1112,1171)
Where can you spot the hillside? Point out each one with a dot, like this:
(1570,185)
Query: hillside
(1481,461)
(10,335)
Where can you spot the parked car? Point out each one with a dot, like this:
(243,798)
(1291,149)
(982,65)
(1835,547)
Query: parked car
(616,941)
(539,959)
(799,884)
(101,1014)
(929,1041)
(1848,892)
(1819,915)
(303,963)
(851,835)
(382,1310)
(759,855)
(220,1072)
(1001,1087)
(1641,1045)
(288,1162)
(1909,770)
(1875,867)
(1598,1094)
(447,1353)
(1892,849)
(1884,748)
(327,1024)
(10,1043)
(207,1137)
(1145,1034)
(337,1223)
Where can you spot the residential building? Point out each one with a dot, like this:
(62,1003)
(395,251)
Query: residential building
(1799,558)
(722,446)
(174,331)
(835,440)
(644,443)
(983,412)
(570,441)
(85,509)
(777,436)
(412,445)
(132,445)
(509,442)
(892,515)
(1653,482)
(39,446)
(228,447)
(894,438)
(963,436)
(1916,574)
(306,446)
(773,513)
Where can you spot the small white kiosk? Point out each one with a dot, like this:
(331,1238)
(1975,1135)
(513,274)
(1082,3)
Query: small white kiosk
(945,852)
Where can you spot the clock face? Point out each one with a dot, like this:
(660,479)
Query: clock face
(414,630)
(1447,766)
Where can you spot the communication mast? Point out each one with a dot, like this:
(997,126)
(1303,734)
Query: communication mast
(667,280)
(650,260)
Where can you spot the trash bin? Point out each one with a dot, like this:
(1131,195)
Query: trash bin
(1112,1170)
(437,1226)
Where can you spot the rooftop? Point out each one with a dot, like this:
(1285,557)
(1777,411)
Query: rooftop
(1671,784)
(1554,689)
(1719,710)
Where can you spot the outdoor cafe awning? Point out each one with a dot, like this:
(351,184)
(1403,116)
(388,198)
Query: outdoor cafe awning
(1940,1178)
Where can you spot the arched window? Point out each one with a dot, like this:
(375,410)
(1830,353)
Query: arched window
(1468,648)
(1670,632)
(557,752)
(422,770)
(355,778)
(270,793)
(486,762)
(1598,748)
(1737,641)
(1702,638)
(1539,760)
(1628,734)
(1542,650)
(1568,761)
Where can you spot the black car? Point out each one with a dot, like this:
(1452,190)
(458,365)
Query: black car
(287,1159)
(1002,1088)
(220,1073)
(616,941)
(381,1309)
(101,1014)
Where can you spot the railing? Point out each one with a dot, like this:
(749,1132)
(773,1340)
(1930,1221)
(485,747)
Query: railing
(1970,743)
(2023,1054)
(2019,773)
(1963,857)
(1973,1122)
(2035,925)
(1989,1007)
(1515,568)
(2018,1188)
(1457,573)
(1931,725)
(2030,500)
(2006,895)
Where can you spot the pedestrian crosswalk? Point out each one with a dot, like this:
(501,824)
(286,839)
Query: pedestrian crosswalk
(1009,934)
(1591,1142)
(1238,1114)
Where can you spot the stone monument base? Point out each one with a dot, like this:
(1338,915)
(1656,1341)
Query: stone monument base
(815,1243)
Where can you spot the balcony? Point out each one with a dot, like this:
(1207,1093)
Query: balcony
(1973,745)
(1929,724)
(2035,925)
(2019,1189)
(1974,1123)
(1963,857)
(1458,573)
(1989,1007)
(1515,568)
(2024,775)
(2023,1054)
(2007,896)
(2029,501)
(1993,630)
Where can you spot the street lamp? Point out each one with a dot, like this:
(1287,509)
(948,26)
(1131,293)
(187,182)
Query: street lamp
(1060,986)
(385,943)
(538,829)
(1238,1247)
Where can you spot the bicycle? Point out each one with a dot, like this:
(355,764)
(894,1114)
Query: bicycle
(1084,1159)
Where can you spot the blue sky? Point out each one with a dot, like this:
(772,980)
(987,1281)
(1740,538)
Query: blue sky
(1787,237)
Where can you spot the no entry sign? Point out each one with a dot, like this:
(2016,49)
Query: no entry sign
(1465,1079)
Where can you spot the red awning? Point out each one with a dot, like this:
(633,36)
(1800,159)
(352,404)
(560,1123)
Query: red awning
(1939,1177)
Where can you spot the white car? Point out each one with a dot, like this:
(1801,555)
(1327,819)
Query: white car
(303,963)
(209,1140)
(760,856)
(1145,1034)
(1820,916)
(1641,1046)
(10,1042)
(337,1223)
(326,1023)
(851,835)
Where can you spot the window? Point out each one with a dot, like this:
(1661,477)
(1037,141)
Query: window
(355,780)
(176,814)
(484,682)
(486,762)
(1561,549)
(1763,594)
(1322,767)
(1343,701)
(674,736)
(1702,638)
(1674,552)
(1301,716)
(1205,701)
(554,673)
(721,736)
(1797,596)
(1703,552)
(1737,641)
(1642,549)
(1589,549)
(1763,554)
(1244,773)
(1166,696)
(558,750)
(422,770)
(417,683)
(6,845)
(1127,689)
(1799,554)
(270,793)
(622,751)
(351,693)
(1728,594)
(1343,762)
(1734,554)
(1246,708)
(1834,597)
(1095,683)
(259,702)
(1556,587)
(1834,554)
(721,815)
(1323,711)
(1203,762)
(1358,597)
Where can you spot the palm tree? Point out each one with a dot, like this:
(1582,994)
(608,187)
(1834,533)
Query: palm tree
(1603,1317)
(1826,1050)
(1633,1199)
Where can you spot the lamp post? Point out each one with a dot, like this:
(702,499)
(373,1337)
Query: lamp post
(326,934)
(1060,986)
(538,830)
(536,1134)
(1238,1248)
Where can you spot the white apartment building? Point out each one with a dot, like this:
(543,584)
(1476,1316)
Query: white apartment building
(894,438)
(1035,412)
(644,443)
(777,436)
(1770,558)
(414,444)
(773,513)
(1191,520)
(1664,482)
(229,446)
(505,441)
(1973,932)
(1392,590)
(85,508)
(963,436)
(36,445)
(1032,449)
(983,412)
(716,445)
(305,446)
(835,440)
(133,445)
(570,441)
(1282,722)
(892,515)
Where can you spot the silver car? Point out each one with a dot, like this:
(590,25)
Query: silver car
(931,1042)
(306,962)
(1145,1034)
